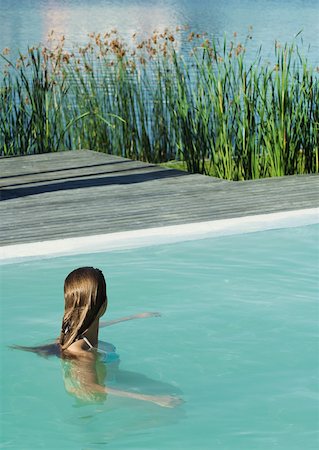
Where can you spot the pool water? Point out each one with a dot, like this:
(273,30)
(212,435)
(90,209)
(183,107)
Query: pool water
(237,340)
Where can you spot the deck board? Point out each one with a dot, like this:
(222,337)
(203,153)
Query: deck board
(78,193)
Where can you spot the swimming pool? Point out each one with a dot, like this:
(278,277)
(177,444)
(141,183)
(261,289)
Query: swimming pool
(237,339)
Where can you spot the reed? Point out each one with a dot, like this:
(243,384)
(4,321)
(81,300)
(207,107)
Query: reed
(215,111)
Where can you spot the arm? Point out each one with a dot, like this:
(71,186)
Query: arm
(83,371)
(135,316)
(166,401)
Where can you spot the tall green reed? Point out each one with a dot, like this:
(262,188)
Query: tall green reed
(218,112)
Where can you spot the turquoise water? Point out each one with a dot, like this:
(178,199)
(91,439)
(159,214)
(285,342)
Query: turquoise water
(237,339)
(25,22)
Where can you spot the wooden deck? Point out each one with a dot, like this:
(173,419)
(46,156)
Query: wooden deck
(80,193)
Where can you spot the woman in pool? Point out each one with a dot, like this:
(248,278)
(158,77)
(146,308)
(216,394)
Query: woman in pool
(85,303)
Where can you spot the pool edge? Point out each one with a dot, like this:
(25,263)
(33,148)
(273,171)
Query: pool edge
(156,236)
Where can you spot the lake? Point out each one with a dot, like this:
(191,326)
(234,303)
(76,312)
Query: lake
(28,22)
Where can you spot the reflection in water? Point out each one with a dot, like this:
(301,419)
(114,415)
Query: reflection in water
(81,378)
(26,23)
(74,376)
(77,21)
(99,413)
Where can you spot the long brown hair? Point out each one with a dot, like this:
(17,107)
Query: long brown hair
(84,297)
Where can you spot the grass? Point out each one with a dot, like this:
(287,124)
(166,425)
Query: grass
(213,112)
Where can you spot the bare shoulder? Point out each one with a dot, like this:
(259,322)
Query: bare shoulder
(80,355)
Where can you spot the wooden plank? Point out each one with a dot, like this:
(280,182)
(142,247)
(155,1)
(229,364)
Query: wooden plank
(77,193)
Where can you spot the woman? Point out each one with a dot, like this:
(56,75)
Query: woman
(84,374)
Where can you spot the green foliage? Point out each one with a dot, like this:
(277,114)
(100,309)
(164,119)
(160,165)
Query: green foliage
(212,111)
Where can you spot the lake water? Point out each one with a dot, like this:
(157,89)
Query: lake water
(237,340)
(27,22)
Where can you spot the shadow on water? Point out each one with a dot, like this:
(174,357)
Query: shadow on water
(137,381)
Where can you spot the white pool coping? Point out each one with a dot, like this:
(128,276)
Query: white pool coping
(156,236)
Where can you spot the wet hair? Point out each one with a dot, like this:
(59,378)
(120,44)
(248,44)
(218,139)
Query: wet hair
(84,297)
